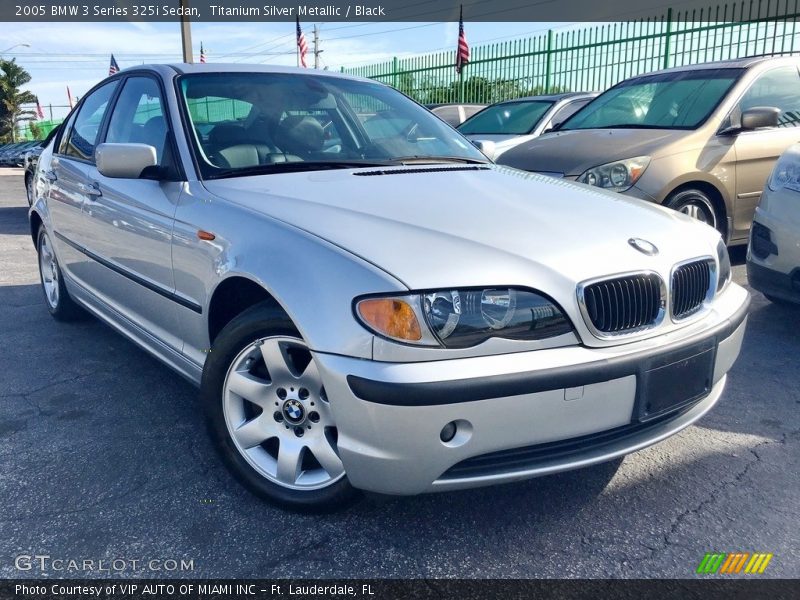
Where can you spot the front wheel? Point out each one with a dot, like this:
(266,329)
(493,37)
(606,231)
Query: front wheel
(698,205)
(269,416)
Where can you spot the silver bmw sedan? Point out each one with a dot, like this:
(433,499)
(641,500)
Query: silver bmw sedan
(363,299)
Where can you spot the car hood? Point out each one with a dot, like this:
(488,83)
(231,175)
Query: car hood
(438,226)
(573,152)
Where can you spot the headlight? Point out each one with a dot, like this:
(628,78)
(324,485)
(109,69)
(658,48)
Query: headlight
(463,317)
(724,262)
(786,173)
(617,176)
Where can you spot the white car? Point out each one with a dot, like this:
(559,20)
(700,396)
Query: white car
(773,257)
(365,301)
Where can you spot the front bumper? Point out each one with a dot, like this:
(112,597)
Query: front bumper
(520,415)
(774,267)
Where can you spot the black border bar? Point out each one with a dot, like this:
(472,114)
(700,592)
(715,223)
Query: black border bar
(376,11)
(754,587)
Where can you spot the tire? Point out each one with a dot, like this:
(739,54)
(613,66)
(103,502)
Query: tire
(268,416)
(698,205)
(29,189)
(56,296)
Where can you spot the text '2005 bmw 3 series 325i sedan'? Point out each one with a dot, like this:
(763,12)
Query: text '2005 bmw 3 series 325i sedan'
(367,303)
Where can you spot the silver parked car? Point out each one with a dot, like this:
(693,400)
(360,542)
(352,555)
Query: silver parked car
(507,124)
(372,305)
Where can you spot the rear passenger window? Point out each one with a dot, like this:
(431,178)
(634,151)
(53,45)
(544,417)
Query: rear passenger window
(779,88)
(83,136)
(138,116)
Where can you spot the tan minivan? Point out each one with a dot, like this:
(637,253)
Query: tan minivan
(700,139)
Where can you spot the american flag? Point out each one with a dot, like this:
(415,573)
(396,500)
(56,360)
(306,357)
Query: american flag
(39,111)
(302,46)
(462,54)
(113,67)
(202,54)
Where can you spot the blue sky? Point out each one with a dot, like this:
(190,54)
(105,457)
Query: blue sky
(77,54)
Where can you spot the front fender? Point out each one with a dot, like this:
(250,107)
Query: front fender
(313,280)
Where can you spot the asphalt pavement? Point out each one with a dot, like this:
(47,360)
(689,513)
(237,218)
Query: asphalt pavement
(104,457)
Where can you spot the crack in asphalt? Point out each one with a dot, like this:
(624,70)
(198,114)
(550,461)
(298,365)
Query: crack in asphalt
(49,385)
(712,497)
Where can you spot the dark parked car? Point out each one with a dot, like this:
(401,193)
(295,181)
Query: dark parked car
(453,112)
(14,156)
(31,159)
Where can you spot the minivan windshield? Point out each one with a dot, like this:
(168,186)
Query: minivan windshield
(261,123)
(507,118)
(673,100)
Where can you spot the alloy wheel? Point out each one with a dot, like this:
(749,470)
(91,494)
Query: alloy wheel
(278,416)
(49,270)
(698,210)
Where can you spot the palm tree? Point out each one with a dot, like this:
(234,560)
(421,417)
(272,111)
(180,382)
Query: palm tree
(12,77)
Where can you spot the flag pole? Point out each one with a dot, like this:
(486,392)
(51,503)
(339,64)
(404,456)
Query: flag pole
(461,69)
(186,33)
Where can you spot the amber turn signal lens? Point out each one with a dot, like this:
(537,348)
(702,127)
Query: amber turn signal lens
(392,317)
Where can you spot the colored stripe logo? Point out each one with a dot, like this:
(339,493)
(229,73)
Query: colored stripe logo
(722,563)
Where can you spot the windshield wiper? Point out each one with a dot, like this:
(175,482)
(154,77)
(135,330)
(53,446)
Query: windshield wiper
(294,167)
(621,126)
(405,160)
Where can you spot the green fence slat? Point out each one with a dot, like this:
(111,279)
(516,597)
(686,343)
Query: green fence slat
(587,58)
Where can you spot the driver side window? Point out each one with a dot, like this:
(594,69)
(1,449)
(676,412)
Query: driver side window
(81,139)
(779,88)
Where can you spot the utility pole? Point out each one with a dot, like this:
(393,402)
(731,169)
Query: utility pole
(317,51)
(186,32)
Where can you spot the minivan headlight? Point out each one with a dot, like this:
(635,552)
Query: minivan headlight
(616,176)
(460,318)
(724,262)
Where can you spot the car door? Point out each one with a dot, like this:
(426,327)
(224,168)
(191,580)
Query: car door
(66,177)
(756,151)
(129,222)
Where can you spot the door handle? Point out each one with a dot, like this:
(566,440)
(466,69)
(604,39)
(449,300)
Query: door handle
(50,176)
(91,189)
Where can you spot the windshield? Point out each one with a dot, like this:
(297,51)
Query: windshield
(508,118)
(250,123)
(678,100)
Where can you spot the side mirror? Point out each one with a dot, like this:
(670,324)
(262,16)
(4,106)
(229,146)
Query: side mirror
(760,116)
(488,148)
(124,161)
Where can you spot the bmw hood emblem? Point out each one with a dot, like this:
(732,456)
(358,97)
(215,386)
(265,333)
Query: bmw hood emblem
(293,411)
(644,246)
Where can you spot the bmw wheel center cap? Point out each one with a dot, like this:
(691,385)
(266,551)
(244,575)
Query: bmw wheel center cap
(293,411)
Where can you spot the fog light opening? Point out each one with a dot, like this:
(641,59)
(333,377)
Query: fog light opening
(448,432)
(456,433)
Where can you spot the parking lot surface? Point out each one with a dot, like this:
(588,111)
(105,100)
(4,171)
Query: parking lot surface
(104,456)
